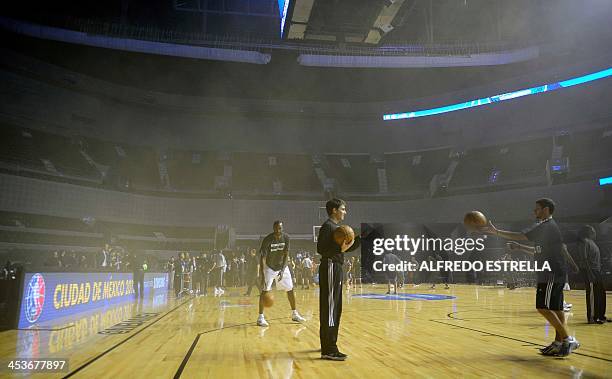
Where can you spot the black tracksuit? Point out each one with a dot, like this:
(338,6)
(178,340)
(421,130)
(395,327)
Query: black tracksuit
(138,275)
(590,265)
(330,284)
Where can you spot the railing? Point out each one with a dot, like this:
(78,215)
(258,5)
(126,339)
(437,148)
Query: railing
(267,43)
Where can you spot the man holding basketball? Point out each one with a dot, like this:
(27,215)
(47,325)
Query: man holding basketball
(548,246)
(273,267)
(330,278)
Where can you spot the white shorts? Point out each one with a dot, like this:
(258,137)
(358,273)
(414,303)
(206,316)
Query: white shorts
(286,283)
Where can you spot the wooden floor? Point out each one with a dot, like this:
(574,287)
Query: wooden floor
(482,332)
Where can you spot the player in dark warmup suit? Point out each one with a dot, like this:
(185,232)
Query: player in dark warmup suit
(252,272)
(548,247)
(330,279)
(137,264)
(590,264)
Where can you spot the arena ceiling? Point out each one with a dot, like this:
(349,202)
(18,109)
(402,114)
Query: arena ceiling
(336,23)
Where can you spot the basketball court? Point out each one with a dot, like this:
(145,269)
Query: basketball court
(393,165)
(467,331)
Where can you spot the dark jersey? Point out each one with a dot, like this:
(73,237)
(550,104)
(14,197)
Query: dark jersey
(274,250)
(546,237)
(327,247)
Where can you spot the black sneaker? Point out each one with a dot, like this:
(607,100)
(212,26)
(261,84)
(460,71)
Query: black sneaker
(554,345)
(567,347)
(552,350)
(342,354)
(334,356)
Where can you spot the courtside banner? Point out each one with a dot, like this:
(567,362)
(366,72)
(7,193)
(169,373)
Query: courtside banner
(48,296)
(423,251)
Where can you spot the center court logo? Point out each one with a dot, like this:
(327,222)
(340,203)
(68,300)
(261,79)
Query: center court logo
(405,296)
(35,298)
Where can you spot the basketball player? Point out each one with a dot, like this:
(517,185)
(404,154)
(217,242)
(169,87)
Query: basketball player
(330,279)
(273,267)
(392,276)
(548,246)
(216,272)
(252,270)
(348,266)
(307,266)
(590,264)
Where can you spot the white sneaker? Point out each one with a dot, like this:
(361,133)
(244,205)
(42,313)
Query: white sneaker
(261,321)
(221,292)
(297,317)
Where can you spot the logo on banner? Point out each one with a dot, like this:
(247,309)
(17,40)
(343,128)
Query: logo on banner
(35,298)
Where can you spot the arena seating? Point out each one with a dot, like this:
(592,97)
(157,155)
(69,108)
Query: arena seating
(412,172)
(137,168)
(359,177)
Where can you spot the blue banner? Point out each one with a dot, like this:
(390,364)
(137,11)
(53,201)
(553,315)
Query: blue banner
(49,296)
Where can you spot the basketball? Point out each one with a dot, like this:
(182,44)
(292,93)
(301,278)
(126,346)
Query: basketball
(474,219)
(268,300)
(342,233)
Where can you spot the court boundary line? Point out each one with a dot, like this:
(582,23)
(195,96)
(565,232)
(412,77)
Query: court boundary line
(513,339)
(187,356)
(45,329)
(84,365)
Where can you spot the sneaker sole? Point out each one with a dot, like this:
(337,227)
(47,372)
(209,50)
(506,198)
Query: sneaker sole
(330,358)
(550,353)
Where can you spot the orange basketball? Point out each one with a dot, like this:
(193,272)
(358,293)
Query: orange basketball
(342,233)
(268,299)
(474,220)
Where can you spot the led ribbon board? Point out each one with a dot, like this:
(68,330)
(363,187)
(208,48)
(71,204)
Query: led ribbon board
(283,6)
(505,96)
(48,296)
(605,181)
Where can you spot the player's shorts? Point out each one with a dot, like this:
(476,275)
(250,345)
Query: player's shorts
(550,296)
(285,284)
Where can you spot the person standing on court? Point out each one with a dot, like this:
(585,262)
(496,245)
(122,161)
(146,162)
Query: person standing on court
(330,278)
(307,266)
(138,271)
(216,272)
(548,247)
(252,272)
(273,266)
(590,265)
